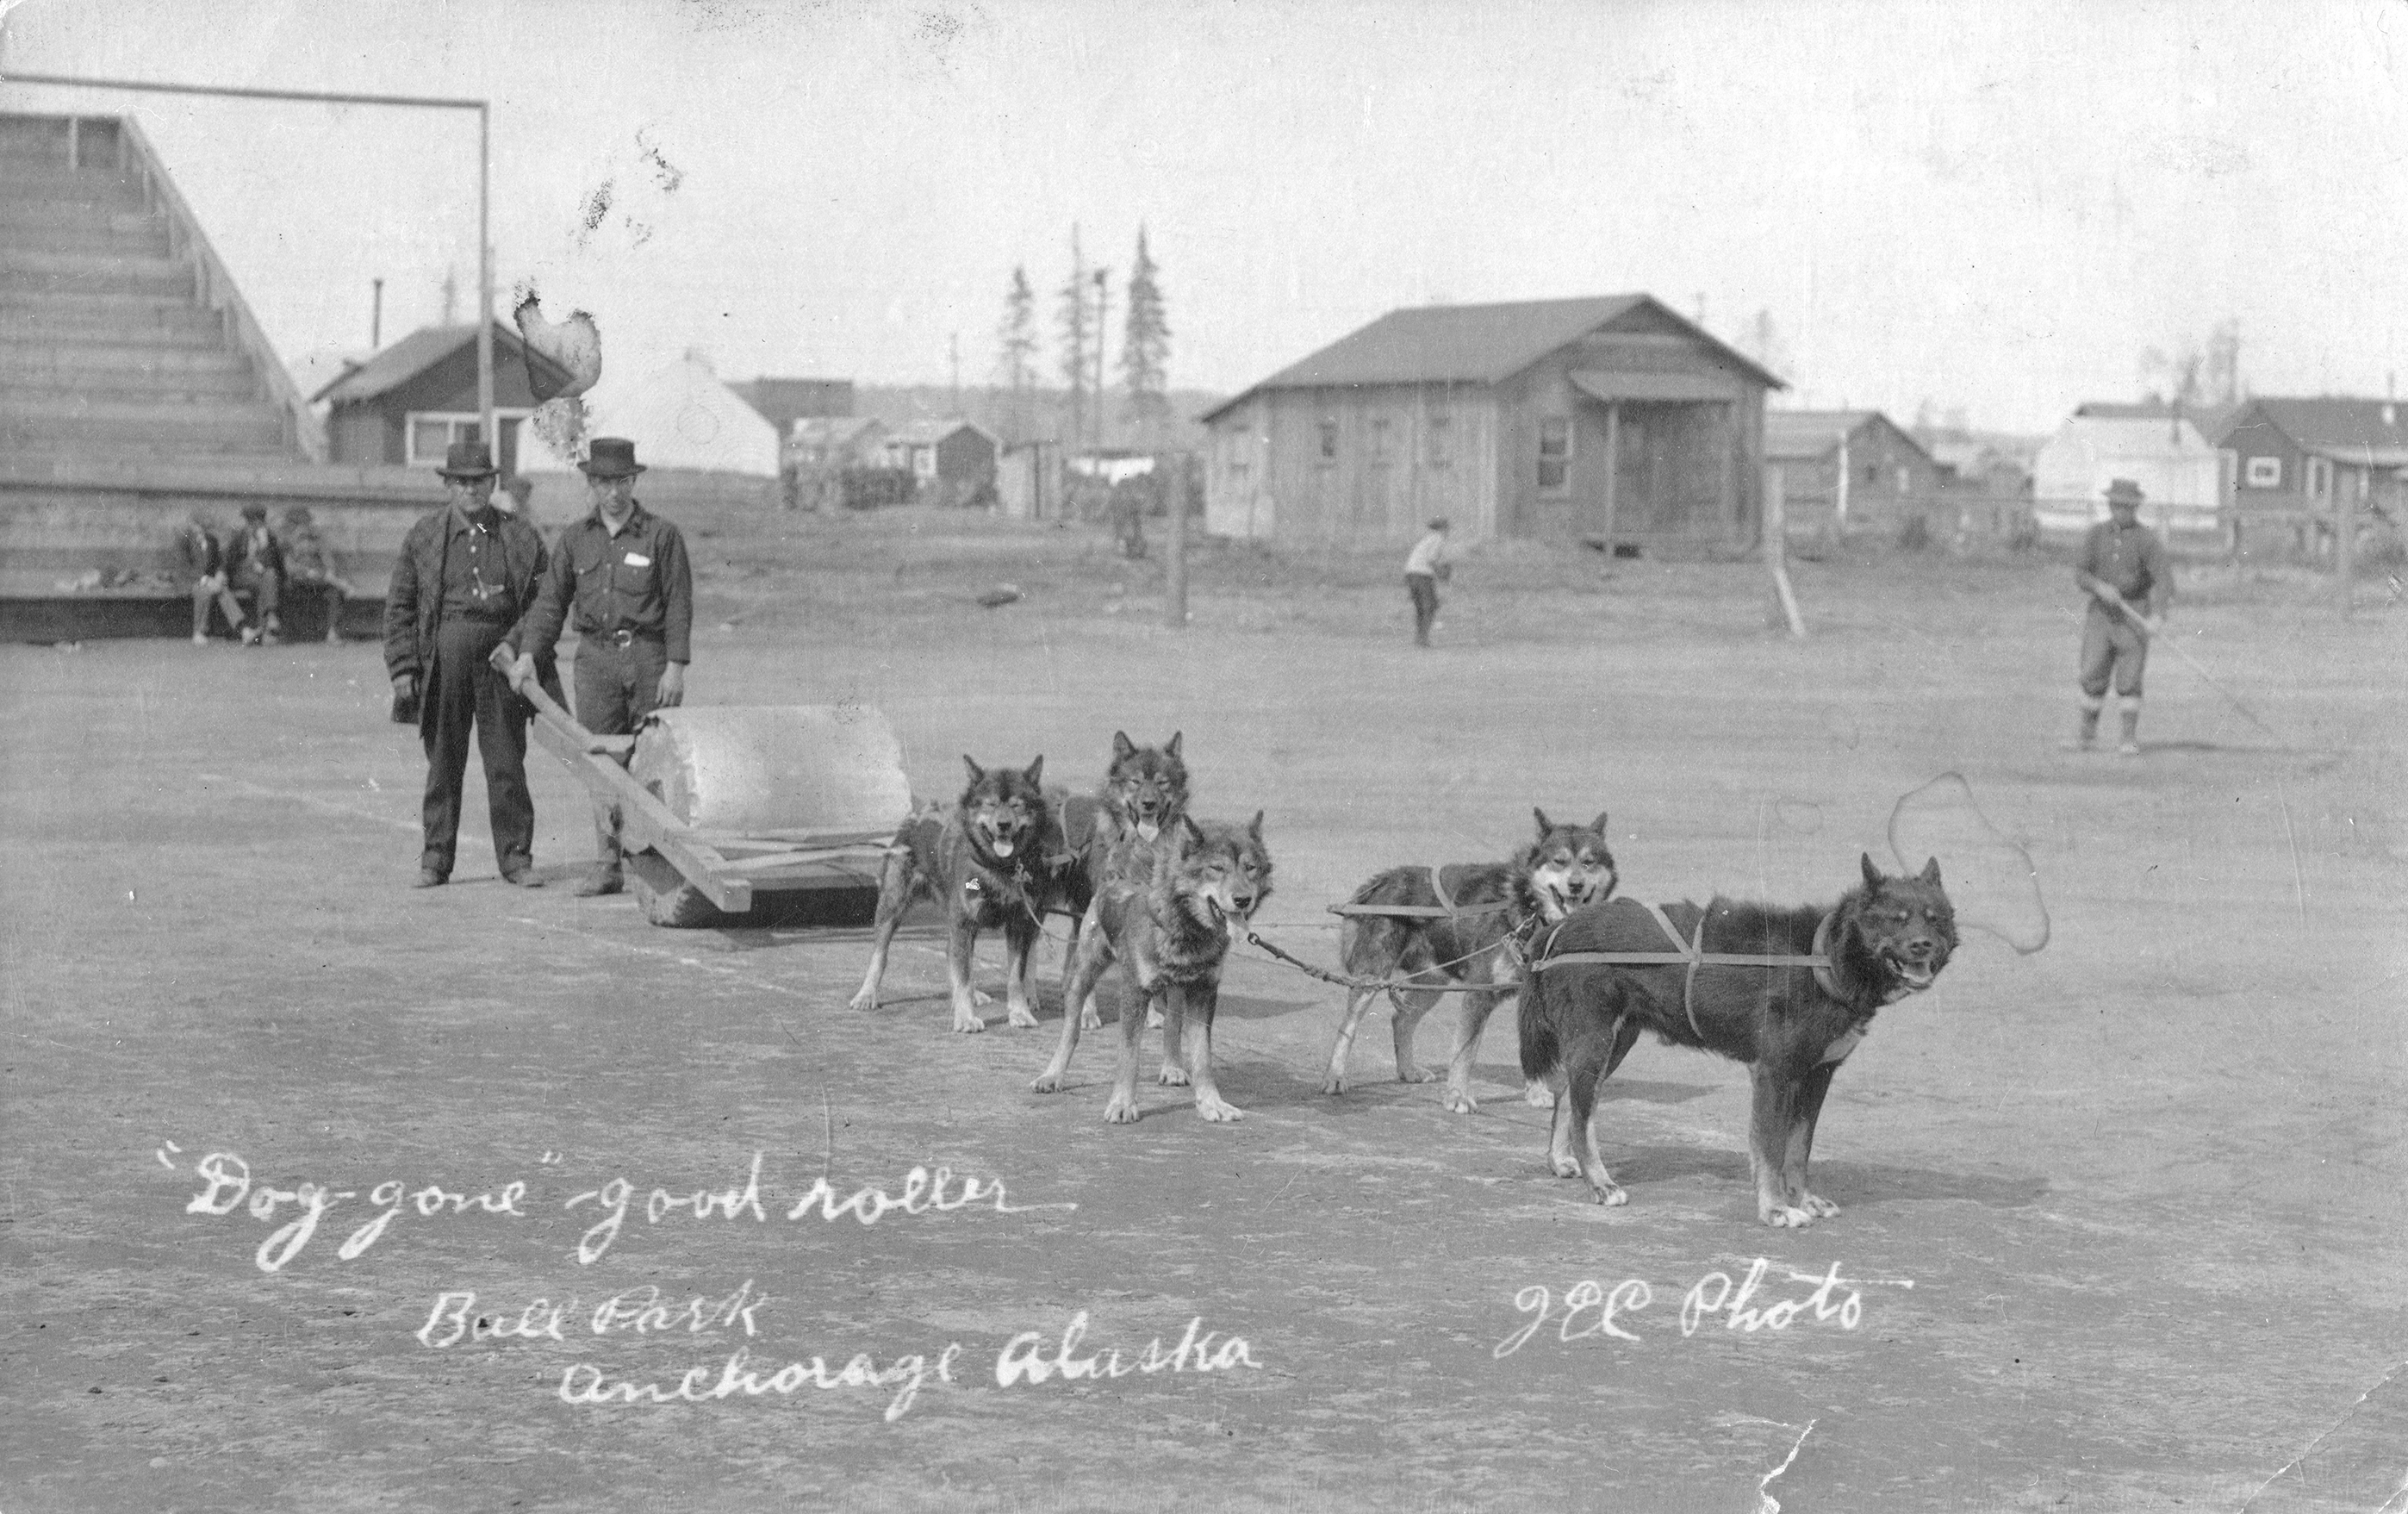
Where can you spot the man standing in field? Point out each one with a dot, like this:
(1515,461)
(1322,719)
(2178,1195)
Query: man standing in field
(2122,567)
(621,576)
(1426,564)
(466,573)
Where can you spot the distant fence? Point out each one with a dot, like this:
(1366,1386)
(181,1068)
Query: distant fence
(2295,532)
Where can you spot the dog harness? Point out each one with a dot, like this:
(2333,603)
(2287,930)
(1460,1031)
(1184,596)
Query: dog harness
(1445,909)
(1693,956)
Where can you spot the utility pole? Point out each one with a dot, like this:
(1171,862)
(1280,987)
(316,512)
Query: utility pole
(376,314)
(956,344)
(1103,303)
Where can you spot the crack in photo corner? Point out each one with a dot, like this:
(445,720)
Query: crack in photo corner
(1765,1502)
(2395,1503)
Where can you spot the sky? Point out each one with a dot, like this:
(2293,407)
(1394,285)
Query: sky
(1994,208)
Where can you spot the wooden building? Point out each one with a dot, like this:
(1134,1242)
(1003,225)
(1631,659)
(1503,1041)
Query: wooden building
(2156,446)
(2300,456)
(1843,466)
(951,461)
(1570,419)
(410,402)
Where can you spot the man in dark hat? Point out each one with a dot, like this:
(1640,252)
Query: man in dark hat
(2122,567)
(466,573)
(254,561)
(621,577)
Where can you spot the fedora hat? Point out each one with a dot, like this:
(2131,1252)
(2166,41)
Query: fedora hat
(469,460)
(612,457)
(2124,491)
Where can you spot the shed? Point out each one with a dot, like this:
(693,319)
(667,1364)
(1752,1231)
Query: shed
(1564,419)
(951,461)
(679,416)
(2156,446)
(1842,465)
(410,402)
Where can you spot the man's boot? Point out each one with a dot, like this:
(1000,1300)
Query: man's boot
(604,878)
(2131,745)
(2085,732)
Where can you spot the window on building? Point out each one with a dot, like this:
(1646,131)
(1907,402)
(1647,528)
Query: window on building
(2265,473)
(430,434)
(1441,434)
(1378,441)
(1905,480)
(1328,442)
(1554,452)
(2320,478)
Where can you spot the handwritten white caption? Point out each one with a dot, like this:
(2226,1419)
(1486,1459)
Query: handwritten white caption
(1741,1305)
(229,1187)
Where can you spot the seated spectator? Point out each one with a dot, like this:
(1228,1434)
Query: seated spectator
(309,565)
(205,562)
(254,561)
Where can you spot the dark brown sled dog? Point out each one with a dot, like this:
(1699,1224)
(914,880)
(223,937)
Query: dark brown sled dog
(997,859)
(1461,939)
(1115,834)
(1172,933)
(1792,1023)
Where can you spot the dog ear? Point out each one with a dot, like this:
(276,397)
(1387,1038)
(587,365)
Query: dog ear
(1597,825)
(1931,873)
(1170,747)
(1873,873)
(1121,746)
(1254,827)
(1545,824)
(1190,832)
(1036,773)
(977,772)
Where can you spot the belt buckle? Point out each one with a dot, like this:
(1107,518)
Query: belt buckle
(623,636)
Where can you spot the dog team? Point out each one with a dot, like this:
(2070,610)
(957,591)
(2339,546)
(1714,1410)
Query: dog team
(1163,895)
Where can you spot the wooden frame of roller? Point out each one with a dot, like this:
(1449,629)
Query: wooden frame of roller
(688,876)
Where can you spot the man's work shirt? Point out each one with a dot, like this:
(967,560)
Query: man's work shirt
(2129,559)
(476,583)
(636,580)
(1428,553)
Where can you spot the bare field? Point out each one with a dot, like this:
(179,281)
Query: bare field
(2121,1219)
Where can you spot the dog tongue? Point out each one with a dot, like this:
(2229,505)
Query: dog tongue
(1002,847)
(1148,829)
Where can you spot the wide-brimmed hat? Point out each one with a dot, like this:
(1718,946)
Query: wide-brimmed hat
(469,460)
(612,457)
(2124,491)
(1437,523)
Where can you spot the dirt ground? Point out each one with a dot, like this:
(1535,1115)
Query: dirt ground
(2121,1222)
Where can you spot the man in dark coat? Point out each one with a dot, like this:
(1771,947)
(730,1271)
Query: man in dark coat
(204,565)
(465,575)
(621,576)
(254,563)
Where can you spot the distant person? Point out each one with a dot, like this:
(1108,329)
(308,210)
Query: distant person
(466,573)
(2122,567)
(1424,566)
(309,566)
(621,577)
(254,561)
(196,542)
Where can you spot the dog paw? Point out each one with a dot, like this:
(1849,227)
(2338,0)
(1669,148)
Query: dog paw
(1415,1075)
(1089,1019)
(1022,1020)
(1334,1083)
(1120,1112)
(1565,1167)
(1537,1096)
(1218,1110)
(1781,1217)
(1153,1019)
(982,997)
(1460,1102)
(968,1024)
(1609,1196)
(1817,1205)
(1047,1083)
(1172,1076)
(865,1000)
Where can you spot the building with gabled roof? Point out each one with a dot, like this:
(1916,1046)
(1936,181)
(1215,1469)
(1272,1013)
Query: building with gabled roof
(2304,456)
(411,400)
(1838,465)
(1608,417)
(2158,448)
(951,461)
